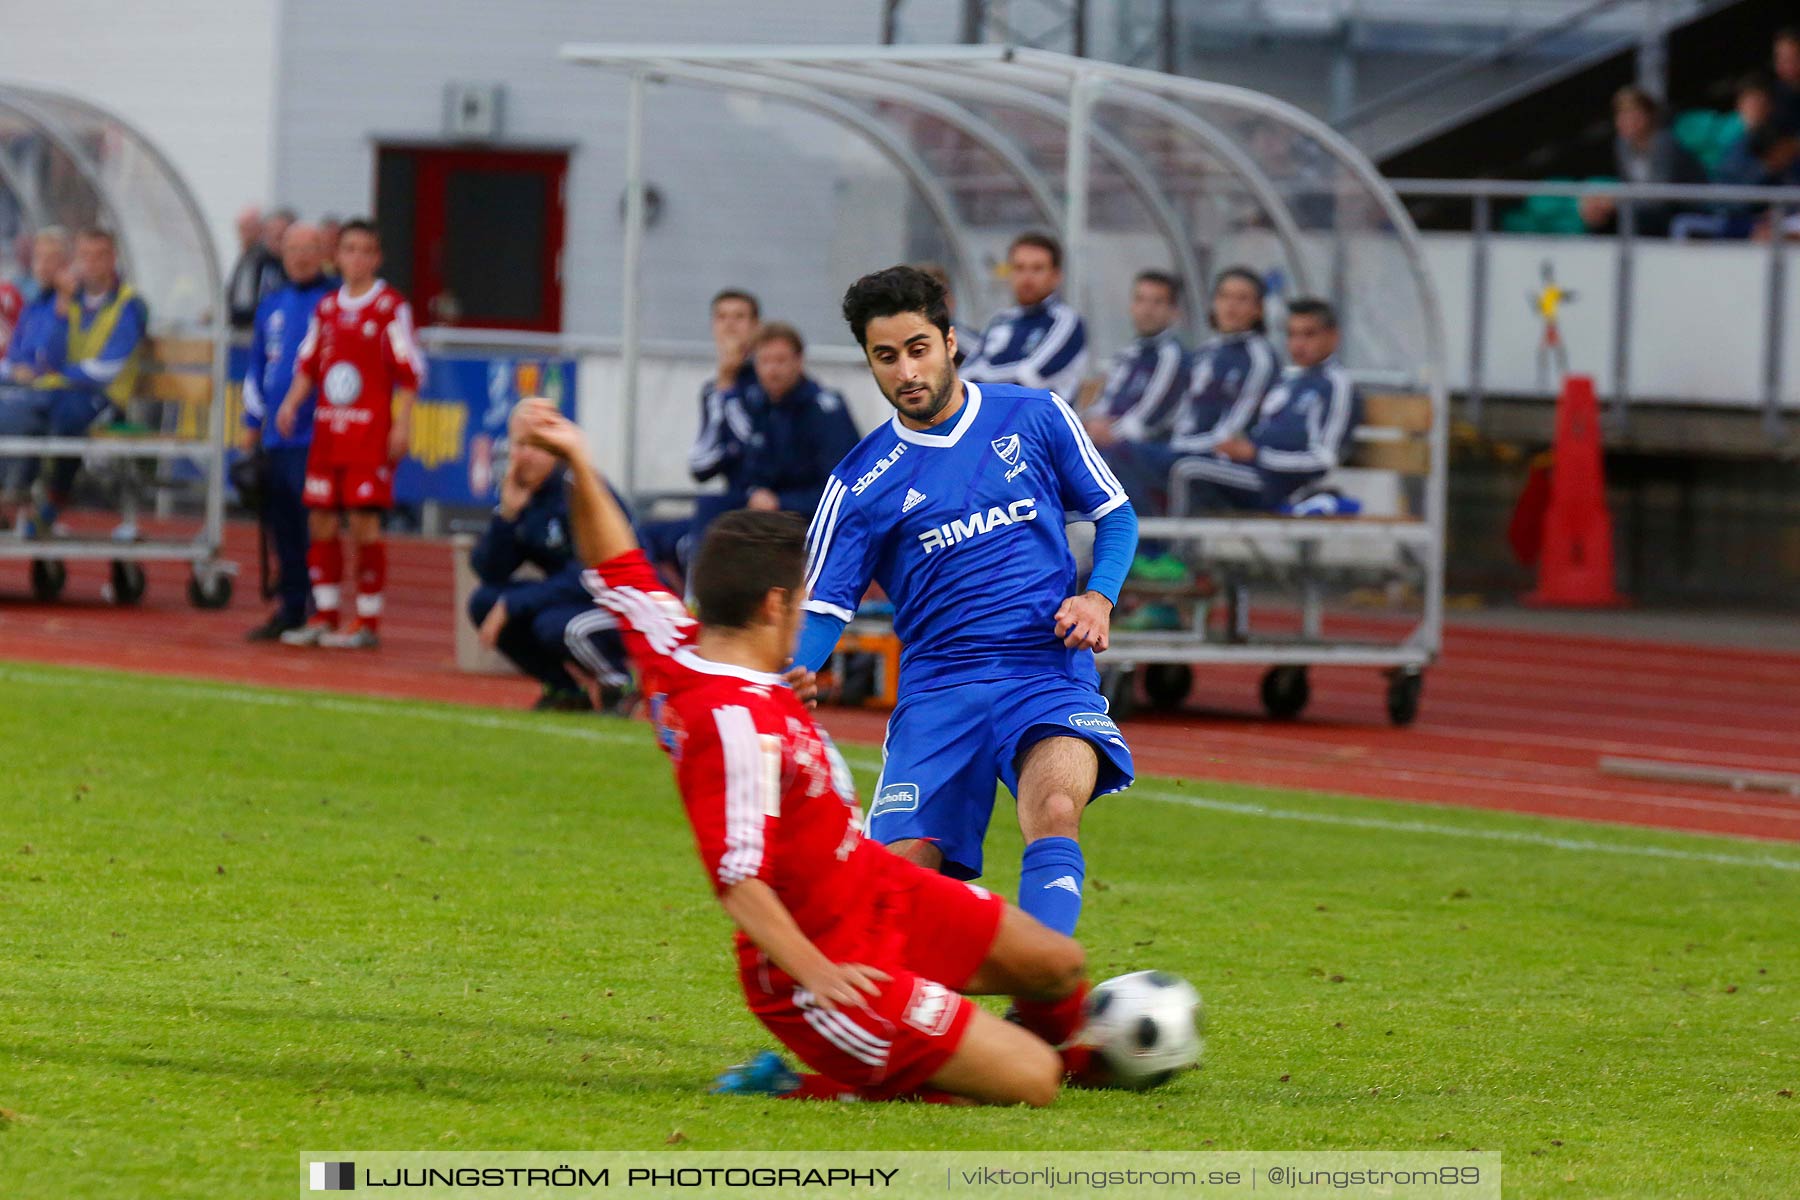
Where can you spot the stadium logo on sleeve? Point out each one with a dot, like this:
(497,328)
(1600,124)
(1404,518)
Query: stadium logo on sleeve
(333,1176)
(878,470)
(895,798)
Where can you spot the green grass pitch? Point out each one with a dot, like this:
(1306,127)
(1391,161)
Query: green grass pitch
(235,924)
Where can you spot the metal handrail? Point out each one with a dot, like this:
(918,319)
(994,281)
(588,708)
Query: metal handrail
(1484,192)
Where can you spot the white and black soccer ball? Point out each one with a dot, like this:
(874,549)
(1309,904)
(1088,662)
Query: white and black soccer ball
(1144,1027)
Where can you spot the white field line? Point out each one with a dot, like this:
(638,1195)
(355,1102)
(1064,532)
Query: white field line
(870,759)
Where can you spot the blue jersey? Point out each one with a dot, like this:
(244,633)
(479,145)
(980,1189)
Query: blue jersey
(962,526)
(281,322)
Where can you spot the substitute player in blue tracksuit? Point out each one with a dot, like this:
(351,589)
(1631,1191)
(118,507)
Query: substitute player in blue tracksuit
(1302,431)
(280,326)
(726,429)
(956,507)
(1145,381)
(1039,343)
(1227,380)
(800,429)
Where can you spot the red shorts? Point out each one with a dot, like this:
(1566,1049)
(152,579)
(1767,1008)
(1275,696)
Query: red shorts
(344,485)
(930,933)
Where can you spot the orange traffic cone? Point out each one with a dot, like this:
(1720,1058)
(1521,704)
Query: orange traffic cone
(1576,566)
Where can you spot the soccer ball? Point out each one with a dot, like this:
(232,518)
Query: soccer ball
(1144,1027)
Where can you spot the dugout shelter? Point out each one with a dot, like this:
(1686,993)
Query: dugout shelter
(1135,168)
(65,162)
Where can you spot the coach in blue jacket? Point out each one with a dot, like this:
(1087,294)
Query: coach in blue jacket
(800,431)
(1302,430)
(280,326)
(543,625)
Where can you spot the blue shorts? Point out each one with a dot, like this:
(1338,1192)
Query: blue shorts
(946,747)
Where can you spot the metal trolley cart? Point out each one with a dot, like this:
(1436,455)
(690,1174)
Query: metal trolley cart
(67,163)
(1397,470)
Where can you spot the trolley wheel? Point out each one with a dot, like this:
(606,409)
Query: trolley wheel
(128,582)
(209,589)
(1403,691)
(1116,689)
(1168,685)
(1285,691)
(47,578)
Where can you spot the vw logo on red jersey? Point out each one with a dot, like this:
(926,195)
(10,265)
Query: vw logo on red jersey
(343,384)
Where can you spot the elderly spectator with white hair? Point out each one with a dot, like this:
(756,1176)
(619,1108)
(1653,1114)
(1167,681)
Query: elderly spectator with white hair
(280,327)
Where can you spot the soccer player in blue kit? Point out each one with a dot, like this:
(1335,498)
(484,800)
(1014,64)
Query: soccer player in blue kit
(956,507)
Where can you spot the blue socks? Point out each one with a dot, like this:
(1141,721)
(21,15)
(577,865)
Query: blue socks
(1051,876)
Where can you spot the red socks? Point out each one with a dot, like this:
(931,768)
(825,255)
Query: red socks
(325,567)
(371,581)
(1054,1020)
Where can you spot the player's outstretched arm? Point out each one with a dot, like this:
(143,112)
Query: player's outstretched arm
(602,531)
(766,921)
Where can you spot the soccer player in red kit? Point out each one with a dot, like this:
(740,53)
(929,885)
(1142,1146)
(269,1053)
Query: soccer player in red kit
(855,958)
(361,353)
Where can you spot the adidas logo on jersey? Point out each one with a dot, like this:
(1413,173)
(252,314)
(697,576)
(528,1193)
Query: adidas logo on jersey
(1066,883)
(914,498)
(978,523)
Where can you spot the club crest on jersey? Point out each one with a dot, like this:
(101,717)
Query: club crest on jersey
(343,384)
(1011,452)
(978,523)
(931,1008)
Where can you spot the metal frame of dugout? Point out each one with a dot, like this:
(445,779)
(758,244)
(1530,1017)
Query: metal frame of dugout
(1217,173)
(66,162)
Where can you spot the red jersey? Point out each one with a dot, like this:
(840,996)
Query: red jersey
(767,793)
(360,350)
(11,303)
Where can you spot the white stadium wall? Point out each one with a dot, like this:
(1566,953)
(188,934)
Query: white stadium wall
(753,193)
(196,77)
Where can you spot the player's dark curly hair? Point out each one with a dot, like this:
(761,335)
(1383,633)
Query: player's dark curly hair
(893,291)
(743,556)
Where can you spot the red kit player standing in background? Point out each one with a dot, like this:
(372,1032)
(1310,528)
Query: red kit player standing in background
(361,351)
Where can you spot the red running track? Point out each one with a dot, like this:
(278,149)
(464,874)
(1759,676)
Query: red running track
(1510,720)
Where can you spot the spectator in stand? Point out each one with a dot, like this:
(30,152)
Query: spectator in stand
(1786,89)
(1041,342)
(544,625)
(1137,400)
(1227,380)
(725,431)
(81,360)
(1645,152)
(801,430)
(1762,156)
(281,323)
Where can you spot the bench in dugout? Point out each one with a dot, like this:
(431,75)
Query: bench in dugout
(1387,547)
(133,458)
